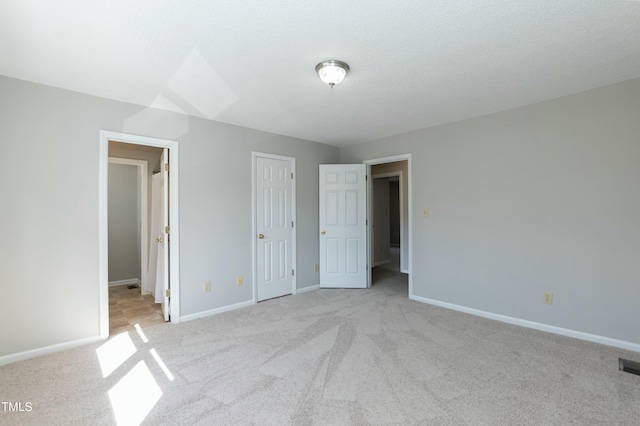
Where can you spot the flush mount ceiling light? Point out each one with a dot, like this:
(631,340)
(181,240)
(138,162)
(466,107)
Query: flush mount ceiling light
(332,72)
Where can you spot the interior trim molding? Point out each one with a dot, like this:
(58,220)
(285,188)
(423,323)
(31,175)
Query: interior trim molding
(32,353)
(608,341)
(240,305)
(309,288)
(131,281)
(216,311)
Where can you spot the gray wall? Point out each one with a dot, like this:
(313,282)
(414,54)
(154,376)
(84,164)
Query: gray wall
(539,198)
(49,248)
(124,223)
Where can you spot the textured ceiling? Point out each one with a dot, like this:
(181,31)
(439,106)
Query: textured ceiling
(414,64)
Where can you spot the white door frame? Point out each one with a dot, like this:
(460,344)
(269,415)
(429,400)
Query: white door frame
(254,218)
(142,169)
(103,218)
(402,224)
(384,160)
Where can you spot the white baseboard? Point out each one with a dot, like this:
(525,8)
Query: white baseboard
(131,281)
(306,289)
(216,311)
(8,359)
(382,262)
(534,325)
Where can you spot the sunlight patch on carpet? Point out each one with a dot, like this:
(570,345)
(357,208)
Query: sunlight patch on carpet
(134,396)
(141,333)
(161,364)
(115,352)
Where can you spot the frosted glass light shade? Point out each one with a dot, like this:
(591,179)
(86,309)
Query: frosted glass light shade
(332,72)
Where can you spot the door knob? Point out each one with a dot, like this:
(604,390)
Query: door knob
(261,236)
(160,240)
(322,232)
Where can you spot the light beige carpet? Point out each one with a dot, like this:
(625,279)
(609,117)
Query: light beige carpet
(329,357)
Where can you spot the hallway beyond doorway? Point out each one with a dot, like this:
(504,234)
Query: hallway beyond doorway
(389,274)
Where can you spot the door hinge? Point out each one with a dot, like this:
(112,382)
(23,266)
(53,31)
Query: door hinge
(292,224)
(167,292)
(292,175)
(166,229)
(166,167)
(366,177)
(366,222)
(293,273)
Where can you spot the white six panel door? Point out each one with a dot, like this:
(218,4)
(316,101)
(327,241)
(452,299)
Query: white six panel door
(274,228)
(164,161)
(343,230)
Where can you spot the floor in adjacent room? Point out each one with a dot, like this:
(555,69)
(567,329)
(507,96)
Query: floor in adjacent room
(127,307)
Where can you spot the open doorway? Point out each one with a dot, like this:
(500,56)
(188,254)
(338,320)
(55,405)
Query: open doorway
(132,300)
(389,195)
(131,256)
(386,226)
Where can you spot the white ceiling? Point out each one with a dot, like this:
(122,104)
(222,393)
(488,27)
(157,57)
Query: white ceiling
(414,63)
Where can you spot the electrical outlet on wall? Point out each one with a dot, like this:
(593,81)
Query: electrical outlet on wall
(206,286)
(316,267)
(547,298)
(239,281)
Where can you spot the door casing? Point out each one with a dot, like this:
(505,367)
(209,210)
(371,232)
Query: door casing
(174,242)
